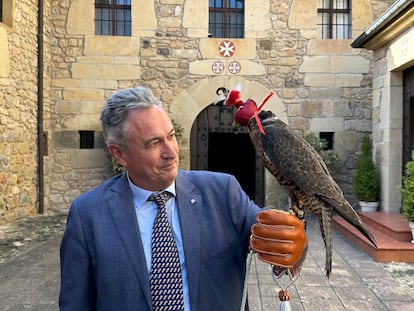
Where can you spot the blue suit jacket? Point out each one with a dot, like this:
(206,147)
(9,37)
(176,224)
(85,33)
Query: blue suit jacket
(102,259)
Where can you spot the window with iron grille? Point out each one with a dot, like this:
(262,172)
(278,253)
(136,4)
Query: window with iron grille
(334,19)
(86,139)
(226,19)
(113,17)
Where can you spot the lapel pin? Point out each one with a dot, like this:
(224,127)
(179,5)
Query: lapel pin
(192,201)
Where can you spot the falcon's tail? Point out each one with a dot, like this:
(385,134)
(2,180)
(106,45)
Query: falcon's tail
(348,213)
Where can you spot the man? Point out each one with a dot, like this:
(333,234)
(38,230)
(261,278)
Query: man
(108,251)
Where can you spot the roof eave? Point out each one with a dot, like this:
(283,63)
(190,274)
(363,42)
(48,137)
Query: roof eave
(393,21)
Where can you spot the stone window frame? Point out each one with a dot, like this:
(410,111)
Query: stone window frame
(7,13)
(232,12)
(119,22)
(339,20)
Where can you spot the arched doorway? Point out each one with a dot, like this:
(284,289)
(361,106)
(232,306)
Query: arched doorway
(193,106)
(216,147)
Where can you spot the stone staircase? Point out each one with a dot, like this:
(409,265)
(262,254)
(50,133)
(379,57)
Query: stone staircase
(391,231)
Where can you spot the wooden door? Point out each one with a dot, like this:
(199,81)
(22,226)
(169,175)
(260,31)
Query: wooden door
(408,114)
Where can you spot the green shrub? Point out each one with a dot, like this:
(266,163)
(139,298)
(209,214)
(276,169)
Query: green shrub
(330,157)
(116,167)
(366,179)
(407,190)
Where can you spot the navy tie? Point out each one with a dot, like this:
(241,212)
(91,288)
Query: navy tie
(166,280)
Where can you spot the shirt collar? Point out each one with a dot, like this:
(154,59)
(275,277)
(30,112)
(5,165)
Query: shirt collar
(140,195)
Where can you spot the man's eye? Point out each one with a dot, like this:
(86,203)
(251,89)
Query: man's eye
(153,143)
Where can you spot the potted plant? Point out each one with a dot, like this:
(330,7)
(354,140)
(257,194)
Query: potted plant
(407,193)
(366,179)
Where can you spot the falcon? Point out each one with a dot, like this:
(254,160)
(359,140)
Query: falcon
(297,166)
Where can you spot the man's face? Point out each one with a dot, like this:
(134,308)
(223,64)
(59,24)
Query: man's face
(152,154)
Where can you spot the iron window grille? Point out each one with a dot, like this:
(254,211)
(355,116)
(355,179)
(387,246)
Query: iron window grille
(113,17)
(86,139)
(334,19)
(226,19)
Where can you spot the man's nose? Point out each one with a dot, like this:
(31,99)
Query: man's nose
(169,149)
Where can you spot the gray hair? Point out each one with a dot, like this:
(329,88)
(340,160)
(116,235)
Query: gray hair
(115,112)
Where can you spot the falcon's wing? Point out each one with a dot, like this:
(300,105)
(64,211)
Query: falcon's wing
(295,159)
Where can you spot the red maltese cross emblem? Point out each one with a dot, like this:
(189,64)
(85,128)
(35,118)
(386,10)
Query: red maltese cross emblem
(226,48)
(234,67)
(217,67)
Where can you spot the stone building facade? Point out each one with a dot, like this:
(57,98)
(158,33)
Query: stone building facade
(391,38)
(320,85)
(19,175)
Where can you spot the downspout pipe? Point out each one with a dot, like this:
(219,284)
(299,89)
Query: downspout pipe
(40,138)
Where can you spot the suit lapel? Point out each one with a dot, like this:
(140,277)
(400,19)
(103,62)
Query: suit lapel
(189,203)
(122,210)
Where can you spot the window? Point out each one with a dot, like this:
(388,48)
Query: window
(334,19)
(86,139)
(226,19)
(328,140)
(113,17)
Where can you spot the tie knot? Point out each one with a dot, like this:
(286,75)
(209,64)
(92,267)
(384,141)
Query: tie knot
(160,198)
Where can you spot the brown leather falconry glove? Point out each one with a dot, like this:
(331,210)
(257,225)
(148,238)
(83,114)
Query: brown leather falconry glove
(279,239)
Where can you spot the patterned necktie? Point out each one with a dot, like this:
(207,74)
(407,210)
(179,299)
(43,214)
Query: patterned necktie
(166,281)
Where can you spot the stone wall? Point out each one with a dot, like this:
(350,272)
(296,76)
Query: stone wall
(325,85)
(389,62)
(18,112)
(322,85)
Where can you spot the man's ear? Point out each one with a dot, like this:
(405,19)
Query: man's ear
(117,154)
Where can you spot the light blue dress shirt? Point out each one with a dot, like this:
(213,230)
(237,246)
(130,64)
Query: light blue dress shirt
(146,212)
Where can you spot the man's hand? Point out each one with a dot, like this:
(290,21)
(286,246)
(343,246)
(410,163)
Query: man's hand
(279,239)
